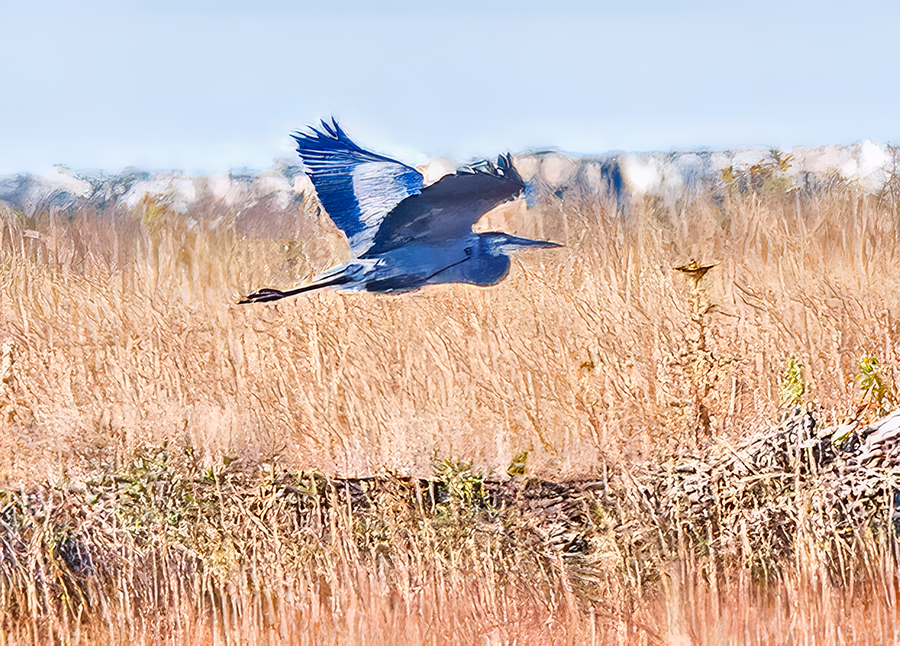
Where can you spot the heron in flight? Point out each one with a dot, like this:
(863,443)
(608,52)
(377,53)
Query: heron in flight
(404,235)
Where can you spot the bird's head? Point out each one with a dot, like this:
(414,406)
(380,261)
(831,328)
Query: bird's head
(503,244)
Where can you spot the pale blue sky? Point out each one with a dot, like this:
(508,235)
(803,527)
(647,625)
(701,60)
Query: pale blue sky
(207,86)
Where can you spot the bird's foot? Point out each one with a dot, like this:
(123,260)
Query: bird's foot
(263,296)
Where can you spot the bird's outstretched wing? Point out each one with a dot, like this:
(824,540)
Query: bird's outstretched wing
(357,187)
(447,209)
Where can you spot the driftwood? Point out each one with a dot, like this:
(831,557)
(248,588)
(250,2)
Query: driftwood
(759,500)
(793,486)
(795,489)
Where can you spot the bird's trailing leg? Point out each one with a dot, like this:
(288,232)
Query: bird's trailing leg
(266,295)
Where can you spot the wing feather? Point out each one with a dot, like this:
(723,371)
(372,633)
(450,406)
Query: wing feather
(357,187)
(446,210)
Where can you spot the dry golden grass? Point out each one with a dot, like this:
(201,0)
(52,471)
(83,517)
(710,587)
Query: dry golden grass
(126,330)
(122,332)
(166,552)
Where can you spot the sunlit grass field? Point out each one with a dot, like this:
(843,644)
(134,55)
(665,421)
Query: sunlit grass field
(177,468)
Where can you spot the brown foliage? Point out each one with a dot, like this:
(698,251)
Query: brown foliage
(121,330)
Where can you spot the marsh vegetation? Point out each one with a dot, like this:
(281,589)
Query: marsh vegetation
(551,460)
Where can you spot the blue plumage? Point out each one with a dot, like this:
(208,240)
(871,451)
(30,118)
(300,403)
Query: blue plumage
(355,186)
(404,236)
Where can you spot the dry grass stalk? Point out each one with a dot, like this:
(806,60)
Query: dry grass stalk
(781,536)
(122,333)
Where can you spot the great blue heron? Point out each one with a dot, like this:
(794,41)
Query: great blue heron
(403,235)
